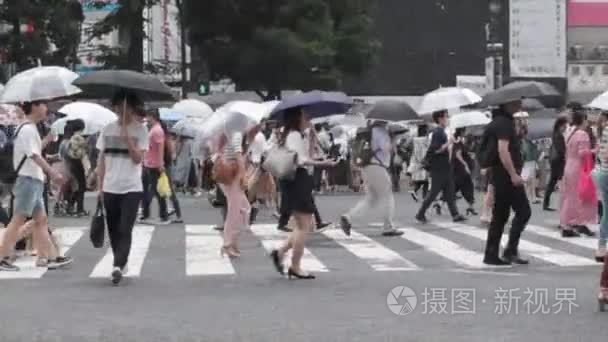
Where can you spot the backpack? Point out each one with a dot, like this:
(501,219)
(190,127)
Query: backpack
(362,148)
(8,175)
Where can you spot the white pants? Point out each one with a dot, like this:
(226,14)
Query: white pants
(379,194)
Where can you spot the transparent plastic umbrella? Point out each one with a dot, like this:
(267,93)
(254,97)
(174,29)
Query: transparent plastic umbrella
(446,99)
(38,84)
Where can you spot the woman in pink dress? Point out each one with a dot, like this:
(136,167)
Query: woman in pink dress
(574,213)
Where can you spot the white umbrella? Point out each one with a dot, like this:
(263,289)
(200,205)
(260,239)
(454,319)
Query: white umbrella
(233,117)
(521,115)
(446,99)
(189,127)
(41,83)
(95,117)
(469,119)
(269,106)
(193,108)
(600,102)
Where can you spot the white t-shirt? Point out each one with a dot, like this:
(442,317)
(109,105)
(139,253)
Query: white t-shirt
(122,175)
(28,144)
(257,147)
(296,143)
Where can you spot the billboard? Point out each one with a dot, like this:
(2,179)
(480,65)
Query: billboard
(590,13)
(162,46)
(537,40)
(88,50)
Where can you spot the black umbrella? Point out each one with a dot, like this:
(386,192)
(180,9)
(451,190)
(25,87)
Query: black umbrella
(105,83)
(530,105)
(391,110)
(520,90)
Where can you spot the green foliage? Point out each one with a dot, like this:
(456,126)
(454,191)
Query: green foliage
(270,45)
(128,19)
(56,31)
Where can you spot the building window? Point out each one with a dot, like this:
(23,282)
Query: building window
(576,70)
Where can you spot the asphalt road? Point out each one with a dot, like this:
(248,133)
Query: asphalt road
(366,286)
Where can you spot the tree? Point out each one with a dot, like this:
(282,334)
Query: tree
(128,19)
(271,45)
(55,35)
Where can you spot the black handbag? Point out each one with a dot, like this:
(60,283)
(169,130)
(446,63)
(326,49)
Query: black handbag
(98,226)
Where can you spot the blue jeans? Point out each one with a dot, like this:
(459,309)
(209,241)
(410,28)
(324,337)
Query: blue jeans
(600,178)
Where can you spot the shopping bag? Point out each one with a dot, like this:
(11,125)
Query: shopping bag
(162,186)
(98,226)
(281,163)
(585,186)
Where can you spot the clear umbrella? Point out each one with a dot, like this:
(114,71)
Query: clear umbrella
(469,119)
(38,84)
(193,108)
(446,99)
(95,117)
(236,116)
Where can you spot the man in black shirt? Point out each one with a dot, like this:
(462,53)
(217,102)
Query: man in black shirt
(442,179)
(508,185)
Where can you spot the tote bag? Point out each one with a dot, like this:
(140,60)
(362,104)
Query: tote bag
(98,226)
(586,187)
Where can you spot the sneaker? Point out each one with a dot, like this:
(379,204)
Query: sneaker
(321,227)
(345,225)
(42,262)
(164,222)
(7,266)
(569,233)
(59,262)
(392,232)
(421,219)
(219,228)
(177,220)
(496,261)
(284,229)
(459,218)
(116,275)
(514,259)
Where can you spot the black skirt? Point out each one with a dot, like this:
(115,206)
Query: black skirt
(299,193)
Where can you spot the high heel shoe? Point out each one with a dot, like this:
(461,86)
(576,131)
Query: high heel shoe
(602,299)
(292,273)
(472,212)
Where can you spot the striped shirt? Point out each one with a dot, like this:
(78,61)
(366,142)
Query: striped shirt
(603,150)
(234,146)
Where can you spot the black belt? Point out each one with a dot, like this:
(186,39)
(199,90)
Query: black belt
(116,151)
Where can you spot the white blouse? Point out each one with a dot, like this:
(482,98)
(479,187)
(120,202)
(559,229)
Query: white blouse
(296,143)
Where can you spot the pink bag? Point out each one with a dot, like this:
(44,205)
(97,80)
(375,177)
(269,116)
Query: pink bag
(586,187)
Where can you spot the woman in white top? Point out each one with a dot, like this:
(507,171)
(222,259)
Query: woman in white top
(121,146)
(299,192)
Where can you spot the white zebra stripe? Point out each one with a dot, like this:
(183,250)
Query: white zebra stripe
(142,236)
(203,257)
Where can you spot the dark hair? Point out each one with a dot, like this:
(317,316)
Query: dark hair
(27,106)
(438,115)
(578,117)
(154,114)
(559,123)
(291,117)
(131,98)
(76,125)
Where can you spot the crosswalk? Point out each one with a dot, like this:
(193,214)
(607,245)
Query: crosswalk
(440,245)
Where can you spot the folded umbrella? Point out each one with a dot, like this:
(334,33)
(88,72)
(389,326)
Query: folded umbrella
(192,108)
(469,119)
(446,99)
(105,83)
(315,104)
(391,110)
(519,90)
(39,84)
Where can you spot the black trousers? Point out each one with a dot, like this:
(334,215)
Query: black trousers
(507,197)
(557,172)
(150,180)
(121,213)
(464,185)
(173,198)
(77,170)
(441,182)
(285,211)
